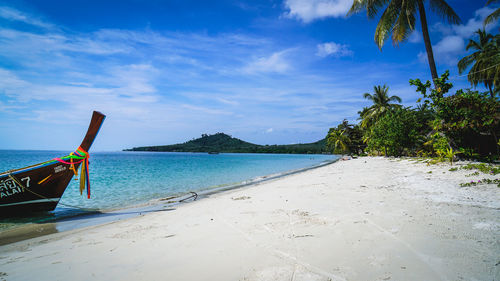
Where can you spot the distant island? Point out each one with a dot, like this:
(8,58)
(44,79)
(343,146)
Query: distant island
(223,143)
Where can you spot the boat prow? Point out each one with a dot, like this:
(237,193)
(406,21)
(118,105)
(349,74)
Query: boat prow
(39,187)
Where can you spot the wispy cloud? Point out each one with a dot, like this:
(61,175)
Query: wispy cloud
(12,14)
(206,110)
(475,23)
(310,10)
(333,49)
(415,37)
(226,101)
(276,62)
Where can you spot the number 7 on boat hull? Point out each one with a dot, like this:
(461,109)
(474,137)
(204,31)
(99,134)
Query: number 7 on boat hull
(39,187)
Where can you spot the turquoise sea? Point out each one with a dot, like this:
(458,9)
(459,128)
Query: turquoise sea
(125,179)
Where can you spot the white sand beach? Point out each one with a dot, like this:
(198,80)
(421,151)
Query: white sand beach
(362,219)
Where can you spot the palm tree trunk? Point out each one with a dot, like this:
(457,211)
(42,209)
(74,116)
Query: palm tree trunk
(427,41)
(491,91)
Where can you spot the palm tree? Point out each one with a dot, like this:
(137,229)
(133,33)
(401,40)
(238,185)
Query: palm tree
(337,140)
(484,61)
(381,104)
(399,19)
(494,15)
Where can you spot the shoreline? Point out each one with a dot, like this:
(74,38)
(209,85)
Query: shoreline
(364,219)
(99,217)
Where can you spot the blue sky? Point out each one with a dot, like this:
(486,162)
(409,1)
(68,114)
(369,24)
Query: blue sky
(268,72)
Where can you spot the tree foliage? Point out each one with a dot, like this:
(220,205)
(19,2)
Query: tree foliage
(337,141)
(465,123)
(381,105)
(469,119)
(484,62)
(472,120)
(396,133)
(345,138)
(436,95)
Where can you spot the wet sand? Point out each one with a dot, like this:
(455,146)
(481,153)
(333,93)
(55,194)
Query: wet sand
(362,219)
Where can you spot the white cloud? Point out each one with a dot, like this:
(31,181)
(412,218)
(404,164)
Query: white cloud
(276,63)
(451,47)
(415,37)
(447,51)
(16,15)
(442,28)
(475,23)
(134,79)
(333,49)
(270,130)
(449,44)
(310,10)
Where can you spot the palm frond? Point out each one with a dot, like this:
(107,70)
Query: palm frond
(372,7)
(357,6)
(403,28)
(484,37)
(442,8)
(385,24)
(473,45)
(492,17)
(368,96)
(405,23)
(395,98)
(380,95)
(465,62)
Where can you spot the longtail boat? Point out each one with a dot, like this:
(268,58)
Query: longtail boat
(39,187)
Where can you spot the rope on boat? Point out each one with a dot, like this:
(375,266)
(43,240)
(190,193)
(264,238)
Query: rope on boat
(80,156)
(76,157)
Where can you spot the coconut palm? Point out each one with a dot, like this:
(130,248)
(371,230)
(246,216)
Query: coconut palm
(484,61)
(494,15)
(381,104)
(399,19)
(338,141)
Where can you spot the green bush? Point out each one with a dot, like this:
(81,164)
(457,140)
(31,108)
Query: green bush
(396,133)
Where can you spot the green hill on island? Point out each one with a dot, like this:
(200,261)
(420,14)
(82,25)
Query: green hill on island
(222,143)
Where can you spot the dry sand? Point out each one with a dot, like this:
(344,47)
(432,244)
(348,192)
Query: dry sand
(362,219)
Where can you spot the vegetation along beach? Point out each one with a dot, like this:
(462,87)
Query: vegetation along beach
(250,140)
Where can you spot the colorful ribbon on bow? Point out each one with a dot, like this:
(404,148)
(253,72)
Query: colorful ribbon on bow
(77,157)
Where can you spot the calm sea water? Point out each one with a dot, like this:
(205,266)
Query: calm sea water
(121,179)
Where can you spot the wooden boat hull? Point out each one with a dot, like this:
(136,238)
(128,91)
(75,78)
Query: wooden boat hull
(34,195)
(40,187)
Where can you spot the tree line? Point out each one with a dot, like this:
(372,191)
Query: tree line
(443,124)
